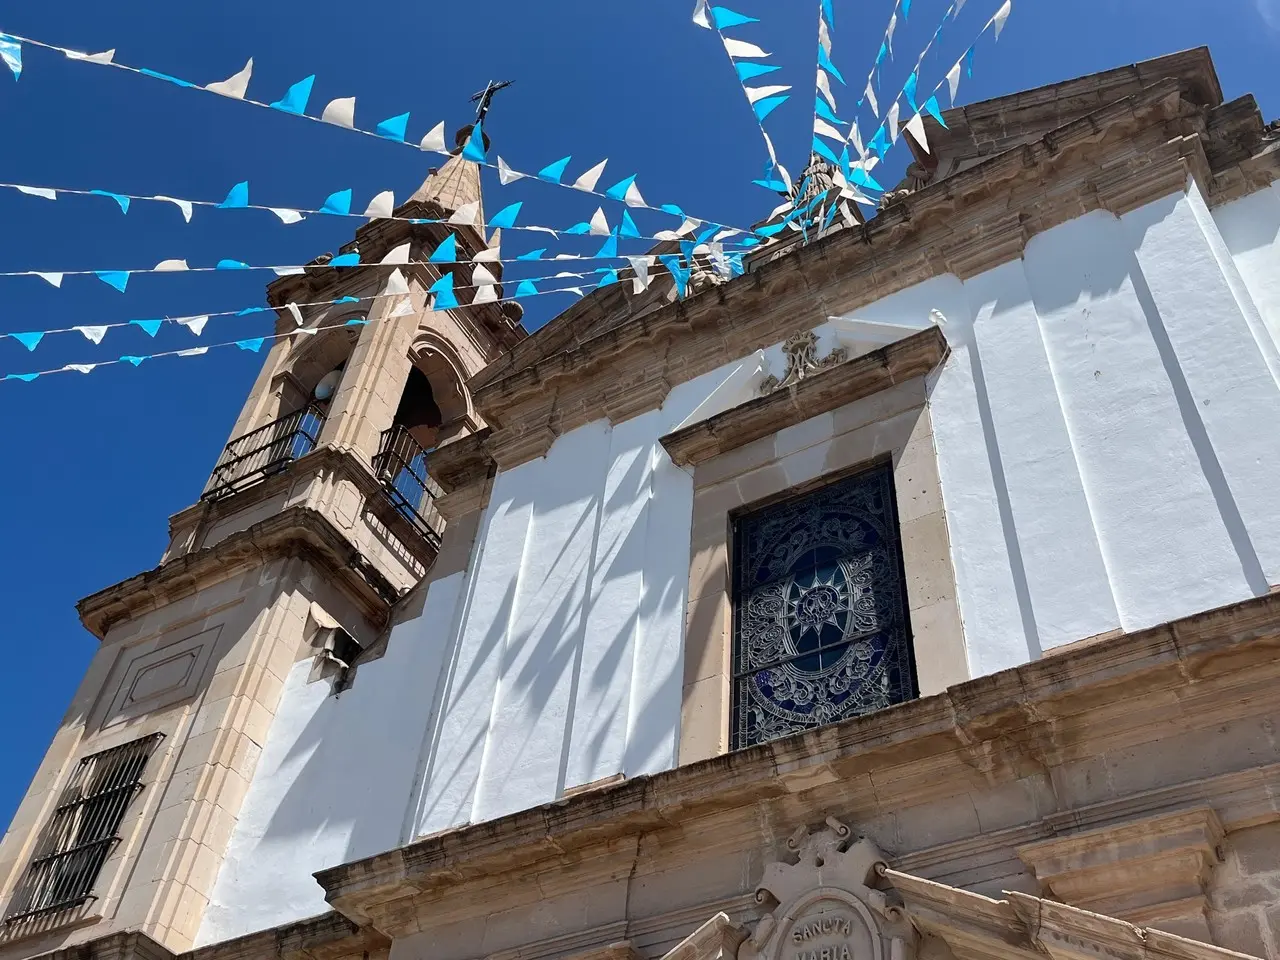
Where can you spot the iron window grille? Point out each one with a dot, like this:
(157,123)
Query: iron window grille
(401,467)
(265,452)
(82,831)
(820,626)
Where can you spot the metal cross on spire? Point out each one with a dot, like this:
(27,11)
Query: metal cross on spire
(485,97)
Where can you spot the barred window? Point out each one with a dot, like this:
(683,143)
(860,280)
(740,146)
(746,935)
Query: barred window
(82,831)
(820,628)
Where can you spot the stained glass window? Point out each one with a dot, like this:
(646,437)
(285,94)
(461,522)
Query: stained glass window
(820,628)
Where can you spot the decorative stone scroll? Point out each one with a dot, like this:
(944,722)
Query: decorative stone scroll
(826,908)
(801,350)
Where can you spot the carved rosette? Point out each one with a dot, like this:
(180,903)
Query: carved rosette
(825,905)
(801,351)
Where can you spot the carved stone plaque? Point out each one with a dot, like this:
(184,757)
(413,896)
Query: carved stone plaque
(826,907)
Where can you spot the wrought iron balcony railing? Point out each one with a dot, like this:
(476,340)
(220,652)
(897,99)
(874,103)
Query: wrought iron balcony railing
(264,452)
(401,466)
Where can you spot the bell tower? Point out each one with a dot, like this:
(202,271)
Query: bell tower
(318,516)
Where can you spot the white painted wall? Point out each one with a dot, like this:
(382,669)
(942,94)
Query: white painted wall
(1105,429)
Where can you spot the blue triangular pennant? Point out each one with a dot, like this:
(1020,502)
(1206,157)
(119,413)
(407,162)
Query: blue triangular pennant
(822,150)
(533,254)
(393,128)
(823,109)
(338,204)
(725,18)
(672,209)
(152,327)
(609,248)
(356,322)
(881,53)
(968,62)
(346,300)
(864,179)
(134,360)
(825,63)
(506,217)
(253,345)
(296,97)
(766,106)
(619,190)
(906,9)
(24,377)
(231,265)
(777,186)
(474,150)
(443,289)
(879,144)
(28,340)
(251,310)
(909,88)
(932,106)
(829,13)
(164,76)
(628,228)
(11,54)
(447,252)
(237,196)
(114,278)
(122,201)
(749,71)
(554,171)
(610,277)
(578,229)
(345,260)
(525,288)
(678,273)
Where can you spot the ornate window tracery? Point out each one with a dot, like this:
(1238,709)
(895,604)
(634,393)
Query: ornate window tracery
(820,627)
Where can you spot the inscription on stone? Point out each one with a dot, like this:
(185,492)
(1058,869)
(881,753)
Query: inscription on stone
(824,937)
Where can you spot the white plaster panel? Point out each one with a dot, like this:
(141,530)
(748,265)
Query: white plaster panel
(1068,589)
(334,778)
(1161,533)
(1251,230)
(995,629)
(525,757)
(1229,389)
(598,740)
(456,748)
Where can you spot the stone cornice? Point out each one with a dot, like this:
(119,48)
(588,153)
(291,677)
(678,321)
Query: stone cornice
(1125,154)
(1108,696)
(327,937)
(844,383)
(298,531)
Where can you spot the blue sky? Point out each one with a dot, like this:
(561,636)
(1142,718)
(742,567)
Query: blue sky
(95,464)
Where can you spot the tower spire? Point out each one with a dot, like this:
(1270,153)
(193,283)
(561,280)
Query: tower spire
(457,182)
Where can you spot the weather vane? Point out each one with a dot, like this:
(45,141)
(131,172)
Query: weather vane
(485,97)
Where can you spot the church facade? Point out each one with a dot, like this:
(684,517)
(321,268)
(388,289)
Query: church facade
(912,596)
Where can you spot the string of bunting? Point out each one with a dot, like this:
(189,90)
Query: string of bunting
(341,113)
(444,293)
(763,100)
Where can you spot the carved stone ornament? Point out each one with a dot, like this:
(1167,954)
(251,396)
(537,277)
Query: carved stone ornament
(826,908)
(801,350)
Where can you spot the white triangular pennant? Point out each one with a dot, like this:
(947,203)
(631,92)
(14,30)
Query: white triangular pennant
(759,93)
(824,35)
(183,205)
(640,282)
(396,285)
(95,334)
(468,214)
(1001,16)
(824,87)
(397,255)
(855,137)
(893,122)
(382,205)
(506,175)
(286,215)
(193,352)
(825,129)
(700,14)
(486,293)
(235,85)
(307,331)
(43,192)
(633,198)
(599,225)
(80,367)
(341,112)
(288,271)
(482,275)
(888,34)
(105,57)
(953,80)
(870,94)
(171,266)
(434,141)
(915,127)
(490,255)
(402,309)
(194,324)
(53,278)
(589,179)
(740,48)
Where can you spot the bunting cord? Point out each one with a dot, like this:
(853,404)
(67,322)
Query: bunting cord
(285,213)
(505,175)
(661,271)
(822,34)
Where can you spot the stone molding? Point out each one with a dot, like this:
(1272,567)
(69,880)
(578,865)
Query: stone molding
(1027,927)
(297,531)
(1128,153)
(992,730)
(1153,870)
(717,939)
(808,397)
